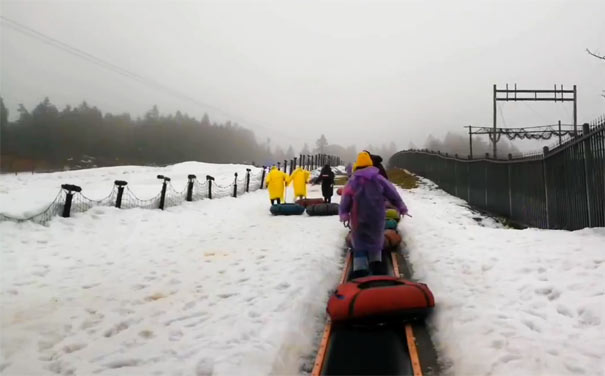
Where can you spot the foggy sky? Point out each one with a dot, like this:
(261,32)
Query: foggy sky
(359,72)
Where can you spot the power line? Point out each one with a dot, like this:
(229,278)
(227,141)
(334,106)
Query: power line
(74,51)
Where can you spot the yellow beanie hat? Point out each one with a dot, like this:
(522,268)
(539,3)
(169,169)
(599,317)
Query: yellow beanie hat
(363,160)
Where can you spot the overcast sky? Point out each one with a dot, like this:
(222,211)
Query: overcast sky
(360,72)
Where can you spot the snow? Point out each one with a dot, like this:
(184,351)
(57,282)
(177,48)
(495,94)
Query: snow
(210,287)
(525,302)
(26,194)
(222,287)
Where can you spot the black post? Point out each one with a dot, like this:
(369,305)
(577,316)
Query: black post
(559,132)
(286,166)
(545,178)
(190,187)
(262,179)
(235,185)
(248,180)
(291,165)
(120,184)
(70,188)
(209,179)
(164,186)
(295,162)
(587,169)
(470,141)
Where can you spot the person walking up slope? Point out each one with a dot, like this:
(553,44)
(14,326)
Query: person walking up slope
(276,182)
(362,206)
(300,177)
(326,178)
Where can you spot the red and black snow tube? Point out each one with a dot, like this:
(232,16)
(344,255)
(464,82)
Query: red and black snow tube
(323,209)
(287,209)
(392,240)
(380,298)
(306,202)
(339,191)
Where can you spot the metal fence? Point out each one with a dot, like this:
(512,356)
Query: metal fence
(563,188)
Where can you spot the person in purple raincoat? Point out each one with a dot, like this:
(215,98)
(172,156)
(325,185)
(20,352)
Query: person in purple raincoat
(362,206)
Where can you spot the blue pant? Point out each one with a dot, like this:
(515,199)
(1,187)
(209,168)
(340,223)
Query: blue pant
(362,259)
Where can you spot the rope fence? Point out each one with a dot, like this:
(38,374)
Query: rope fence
(70,199)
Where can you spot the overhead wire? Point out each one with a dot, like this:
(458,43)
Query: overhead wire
(28,31)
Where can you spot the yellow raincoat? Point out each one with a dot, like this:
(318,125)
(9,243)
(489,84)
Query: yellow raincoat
(276,182)
(300,177)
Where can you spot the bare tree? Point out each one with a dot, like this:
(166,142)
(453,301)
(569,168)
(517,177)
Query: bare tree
(602,57)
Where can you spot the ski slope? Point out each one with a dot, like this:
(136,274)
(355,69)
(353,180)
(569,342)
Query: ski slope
(221,287)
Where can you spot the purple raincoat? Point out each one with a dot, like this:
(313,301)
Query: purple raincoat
(363,201)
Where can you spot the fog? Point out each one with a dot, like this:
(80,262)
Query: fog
(360,72)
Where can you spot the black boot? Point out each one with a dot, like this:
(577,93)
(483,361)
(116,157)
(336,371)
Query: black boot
(378,268)
(360,273)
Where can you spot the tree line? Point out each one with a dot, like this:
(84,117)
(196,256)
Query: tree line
(47,138)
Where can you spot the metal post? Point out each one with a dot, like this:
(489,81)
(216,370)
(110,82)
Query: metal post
(575,111)
(262,179)
(209,179)
(248,180)
(470,141)
(485,178)
(71,190)
(559,132)
(510,185)
(164,186)
(191,178)
(285,166)
(587,170)
(544,176)
(235,185)
(494,139)
(295,164)
(120,184)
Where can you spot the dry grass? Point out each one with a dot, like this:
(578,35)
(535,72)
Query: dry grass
(341,180)
(402,178)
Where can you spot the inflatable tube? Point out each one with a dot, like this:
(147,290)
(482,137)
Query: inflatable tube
(306,202)
(390,224)
(286,209)
(392,240)
(323,209)
(339,191)
(392,214)
(380,298)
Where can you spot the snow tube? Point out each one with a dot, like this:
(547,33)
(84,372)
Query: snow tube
(323,209)
(286,209)
(380,298)
(339,191)
(392,239)
(306,202)
(390,224)
(392,214)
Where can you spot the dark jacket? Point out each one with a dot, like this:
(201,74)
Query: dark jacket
(326,178)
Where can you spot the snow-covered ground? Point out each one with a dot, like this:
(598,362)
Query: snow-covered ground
(508,302)
(27,194)
(222,287)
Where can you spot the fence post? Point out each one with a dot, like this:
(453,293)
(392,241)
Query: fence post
(294,162)
(510,187)
(120,184)
(235,185)
(456,175)
(262,179)
(544,176)
(70,188)
(248,180)
(191,178)
(209,179)
(286,166)
(291,166)
(587,169)
(485,179)
(164,186)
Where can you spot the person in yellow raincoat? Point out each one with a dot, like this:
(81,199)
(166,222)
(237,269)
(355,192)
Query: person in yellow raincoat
(276,182)
(300,177)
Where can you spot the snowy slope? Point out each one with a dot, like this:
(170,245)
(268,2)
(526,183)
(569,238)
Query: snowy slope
(214,286)
(509,302)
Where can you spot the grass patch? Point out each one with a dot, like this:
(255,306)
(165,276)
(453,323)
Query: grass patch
(402,178)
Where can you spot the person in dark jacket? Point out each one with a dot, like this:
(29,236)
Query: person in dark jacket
(326,178)
(377,162)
